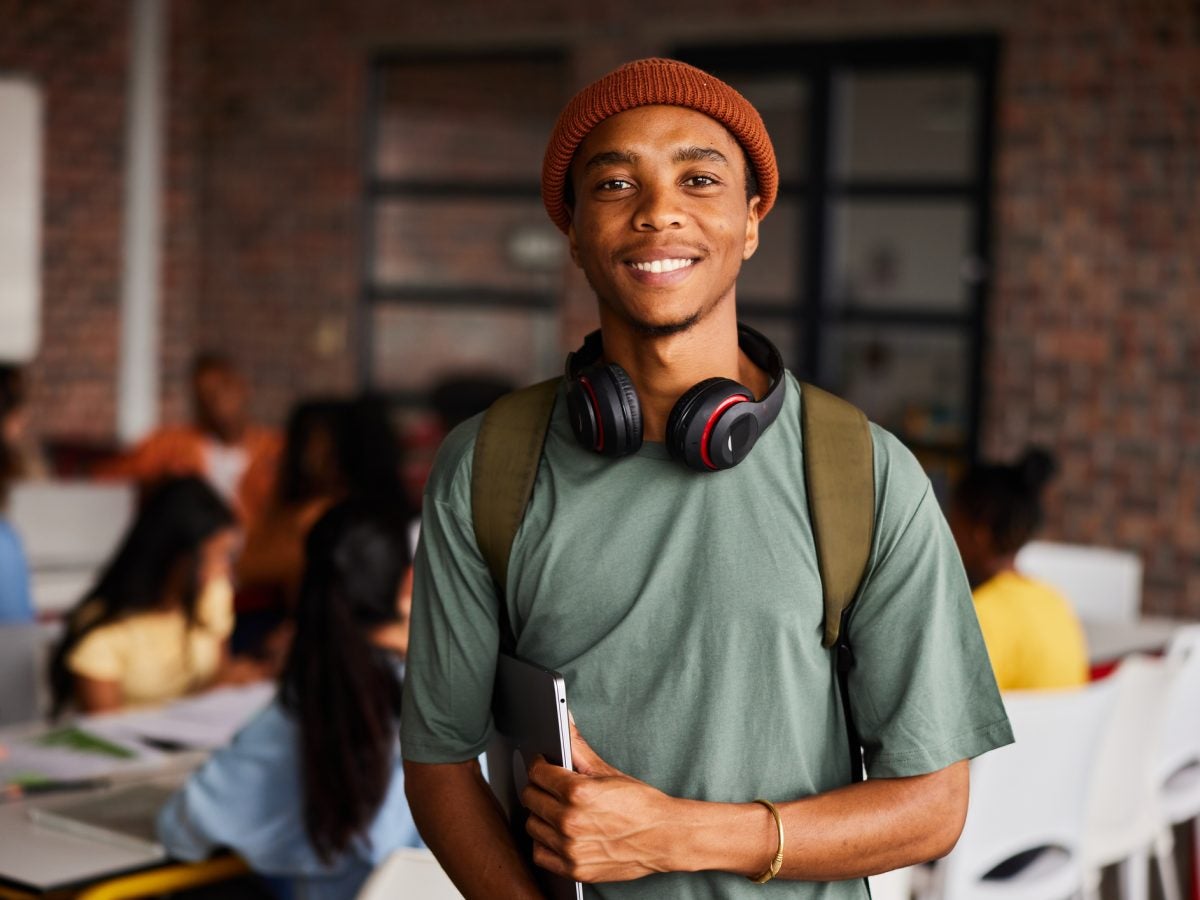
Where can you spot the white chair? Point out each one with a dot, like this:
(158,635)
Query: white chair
(69,529)
(894,885)
(1179,771)
(24,658)
(409,875)
(1103,584)
(1123,824)
(1027,796)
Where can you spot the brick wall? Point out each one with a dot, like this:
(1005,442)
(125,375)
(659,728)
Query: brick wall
(77,51)
(1094,323)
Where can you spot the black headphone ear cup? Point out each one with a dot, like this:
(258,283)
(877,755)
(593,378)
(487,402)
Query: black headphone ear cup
(632,409)
(603,407)
(690,417)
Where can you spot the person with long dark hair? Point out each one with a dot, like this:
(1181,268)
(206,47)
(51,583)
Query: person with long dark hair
(16,602)
(312,790)
(1034,639)
(155,625)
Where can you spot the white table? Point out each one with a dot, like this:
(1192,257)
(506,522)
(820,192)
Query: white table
(1110,641)
(40,859)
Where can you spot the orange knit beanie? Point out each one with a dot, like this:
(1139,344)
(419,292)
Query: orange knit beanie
(651,82)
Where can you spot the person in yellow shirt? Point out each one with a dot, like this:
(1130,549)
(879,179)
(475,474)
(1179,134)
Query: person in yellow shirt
(1034,639)
(156,624)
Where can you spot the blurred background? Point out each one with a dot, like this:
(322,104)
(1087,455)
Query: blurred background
(988,232)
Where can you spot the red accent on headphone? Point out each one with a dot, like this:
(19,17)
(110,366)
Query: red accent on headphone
(712,420)
(587,385)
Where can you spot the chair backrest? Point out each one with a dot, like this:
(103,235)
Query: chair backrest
(1181,730)
(68,529)
(1103,584)
(1031,793)
(408,874)
(24,653)
(1123,811)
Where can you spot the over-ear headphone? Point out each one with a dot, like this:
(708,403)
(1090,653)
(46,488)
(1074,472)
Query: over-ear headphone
(712,426)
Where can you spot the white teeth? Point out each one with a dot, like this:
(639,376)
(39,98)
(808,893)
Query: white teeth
(658,266)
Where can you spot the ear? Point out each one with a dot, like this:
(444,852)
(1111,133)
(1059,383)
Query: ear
(751,227)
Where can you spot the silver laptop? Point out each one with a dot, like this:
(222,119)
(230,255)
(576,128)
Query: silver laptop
(529,710)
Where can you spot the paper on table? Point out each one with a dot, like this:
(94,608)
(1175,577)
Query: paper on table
(28,756)
(203,722)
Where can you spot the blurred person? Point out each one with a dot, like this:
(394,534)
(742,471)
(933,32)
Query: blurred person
(1034,639)
(312,790)
(156,624)
(334,449)
(16,602)
(236,457)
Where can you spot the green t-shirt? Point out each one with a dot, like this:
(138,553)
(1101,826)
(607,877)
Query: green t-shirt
(685,612)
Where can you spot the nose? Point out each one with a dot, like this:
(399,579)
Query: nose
(657,209)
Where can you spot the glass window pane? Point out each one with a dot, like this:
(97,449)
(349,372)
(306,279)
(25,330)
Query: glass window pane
(503,244)
(467,119)
(901,255)
(782,101)
(414,345)
(773,275)
(901,124)
(915,383)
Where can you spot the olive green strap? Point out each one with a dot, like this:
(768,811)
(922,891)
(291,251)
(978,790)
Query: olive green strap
(507,452)
(839,472)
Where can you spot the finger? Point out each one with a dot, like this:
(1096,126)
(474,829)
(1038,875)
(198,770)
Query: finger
(584,759)
(551,778)
(542,804)
(547,859)
(544,833)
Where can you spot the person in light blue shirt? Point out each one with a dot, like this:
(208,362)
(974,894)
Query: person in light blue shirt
(16,604)
(311,792)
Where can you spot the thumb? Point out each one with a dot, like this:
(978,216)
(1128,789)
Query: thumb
(584,759)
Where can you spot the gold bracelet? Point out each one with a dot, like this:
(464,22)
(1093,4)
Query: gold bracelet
(777,862)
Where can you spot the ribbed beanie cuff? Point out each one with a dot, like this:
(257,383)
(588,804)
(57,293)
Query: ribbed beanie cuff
(653,82)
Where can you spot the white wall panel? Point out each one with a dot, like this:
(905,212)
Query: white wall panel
(20,219)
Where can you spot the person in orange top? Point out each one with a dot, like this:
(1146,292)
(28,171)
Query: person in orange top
(1034,638)
(237,458)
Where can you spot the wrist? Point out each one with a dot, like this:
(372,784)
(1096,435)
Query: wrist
(740,838)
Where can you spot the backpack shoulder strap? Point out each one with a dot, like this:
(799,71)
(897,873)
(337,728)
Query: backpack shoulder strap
(839,474)
(507,452)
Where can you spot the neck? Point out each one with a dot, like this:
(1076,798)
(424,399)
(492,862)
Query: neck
(229,436)
(663,368)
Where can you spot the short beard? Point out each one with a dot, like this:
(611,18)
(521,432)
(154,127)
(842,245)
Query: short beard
(671,328)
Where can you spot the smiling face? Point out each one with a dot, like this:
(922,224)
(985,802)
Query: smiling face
(661,223)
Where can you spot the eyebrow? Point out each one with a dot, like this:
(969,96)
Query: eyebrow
(611,158)
(699,154)
(629,158)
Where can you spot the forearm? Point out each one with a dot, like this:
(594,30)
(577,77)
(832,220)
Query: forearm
(463,825)
(857,830)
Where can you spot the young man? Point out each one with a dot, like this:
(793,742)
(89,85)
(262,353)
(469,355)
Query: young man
(237,458)
(685,608)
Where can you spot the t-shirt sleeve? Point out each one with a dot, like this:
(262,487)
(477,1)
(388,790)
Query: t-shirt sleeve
(454,636)
(921,689)
(100,655)
(995,637)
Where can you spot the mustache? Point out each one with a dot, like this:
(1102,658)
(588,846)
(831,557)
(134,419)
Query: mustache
(641,247)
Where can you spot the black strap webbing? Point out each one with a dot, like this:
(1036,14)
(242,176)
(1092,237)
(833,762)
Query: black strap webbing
(508,450)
